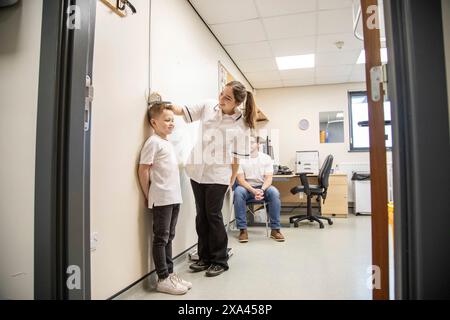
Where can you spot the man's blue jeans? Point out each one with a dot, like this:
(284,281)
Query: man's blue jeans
(272,198)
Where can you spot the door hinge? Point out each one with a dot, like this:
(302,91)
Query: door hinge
(89,97)
(378,81)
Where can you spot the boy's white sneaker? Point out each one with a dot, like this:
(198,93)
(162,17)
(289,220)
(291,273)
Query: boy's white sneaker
(181,281)
(170,286)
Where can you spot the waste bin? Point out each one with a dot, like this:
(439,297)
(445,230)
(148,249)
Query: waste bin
(361,190)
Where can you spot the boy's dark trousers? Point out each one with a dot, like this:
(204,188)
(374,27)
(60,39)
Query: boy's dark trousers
(212,235)
(164,222)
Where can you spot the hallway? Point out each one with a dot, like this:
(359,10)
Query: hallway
(327,264)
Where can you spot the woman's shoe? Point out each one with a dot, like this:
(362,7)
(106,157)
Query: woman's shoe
(199,266)
(215,270)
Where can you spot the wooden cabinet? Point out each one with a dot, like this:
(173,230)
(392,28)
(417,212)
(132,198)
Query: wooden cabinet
(336,203)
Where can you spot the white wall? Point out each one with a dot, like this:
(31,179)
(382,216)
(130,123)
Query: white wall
(20,37)
(286,107)
(120,78)
(184,69)
(446,22)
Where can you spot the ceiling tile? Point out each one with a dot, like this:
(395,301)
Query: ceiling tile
(301,74)
(267,84)
(335,21)
(283,27)
(337,58)
(239,32)
(331,80)
(250,50)
(333,71)
(264,29)
(359,29)
(297,83)
(219,11)
(270,8)
(254,65)
(334,4)
(326,43)
(263,76)
(358,74)
(293,46)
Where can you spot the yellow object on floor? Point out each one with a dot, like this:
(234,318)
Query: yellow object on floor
(391,213)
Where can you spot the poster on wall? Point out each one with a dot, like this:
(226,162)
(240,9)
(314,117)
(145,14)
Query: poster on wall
(224,77)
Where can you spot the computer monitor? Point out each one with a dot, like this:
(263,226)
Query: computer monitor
(267,147)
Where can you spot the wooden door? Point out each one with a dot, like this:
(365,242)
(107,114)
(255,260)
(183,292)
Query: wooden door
(378,168)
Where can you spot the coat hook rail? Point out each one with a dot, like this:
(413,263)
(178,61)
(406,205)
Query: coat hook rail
(119,6)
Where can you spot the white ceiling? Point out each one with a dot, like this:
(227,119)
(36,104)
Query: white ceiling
(254,32)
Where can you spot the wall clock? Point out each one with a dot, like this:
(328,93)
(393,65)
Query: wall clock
(303,124)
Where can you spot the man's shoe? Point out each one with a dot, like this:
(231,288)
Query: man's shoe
(243,236)
(276,235)
(215,270)
(199,266)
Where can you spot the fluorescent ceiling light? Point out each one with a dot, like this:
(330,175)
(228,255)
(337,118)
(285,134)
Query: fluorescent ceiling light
(340,115)
(296,62)
(362,56)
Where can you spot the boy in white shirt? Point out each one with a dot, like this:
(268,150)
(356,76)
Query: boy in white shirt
(160,182)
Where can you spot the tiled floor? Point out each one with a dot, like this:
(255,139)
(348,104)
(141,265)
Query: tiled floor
(313,263)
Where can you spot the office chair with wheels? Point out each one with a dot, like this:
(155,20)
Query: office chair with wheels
(319,190)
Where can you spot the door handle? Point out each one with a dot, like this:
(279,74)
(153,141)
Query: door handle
(89,97)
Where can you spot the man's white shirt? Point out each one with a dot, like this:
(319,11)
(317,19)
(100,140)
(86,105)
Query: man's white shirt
(255,169)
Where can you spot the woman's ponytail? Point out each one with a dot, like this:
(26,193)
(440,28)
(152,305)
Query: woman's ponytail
(240,95)
(250,111)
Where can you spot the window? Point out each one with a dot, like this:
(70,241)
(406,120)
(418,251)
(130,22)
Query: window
(358,114)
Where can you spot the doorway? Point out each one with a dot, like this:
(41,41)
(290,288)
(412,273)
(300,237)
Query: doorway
(62,208)
(63,151)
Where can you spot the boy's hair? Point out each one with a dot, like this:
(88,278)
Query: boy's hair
(155,109)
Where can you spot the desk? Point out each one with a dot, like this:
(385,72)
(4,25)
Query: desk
(336,204)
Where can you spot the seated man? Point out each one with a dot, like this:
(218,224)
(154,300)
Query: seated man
(255,182)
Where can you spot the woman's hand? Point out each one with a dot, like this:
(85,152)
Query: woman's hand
(177,110)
